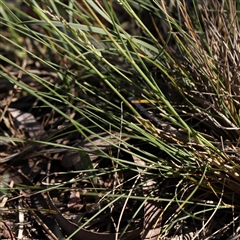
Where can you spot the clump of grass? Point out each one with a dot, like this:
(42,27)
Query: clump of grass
(170,85)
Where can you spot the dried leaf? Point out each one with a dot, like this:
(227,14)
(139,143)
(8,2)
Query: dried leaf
(82,234)
(28,121)
(152,209)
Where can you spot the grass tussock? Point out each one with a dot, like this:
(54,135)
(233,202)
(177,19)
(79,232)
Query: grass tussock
(120,119)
